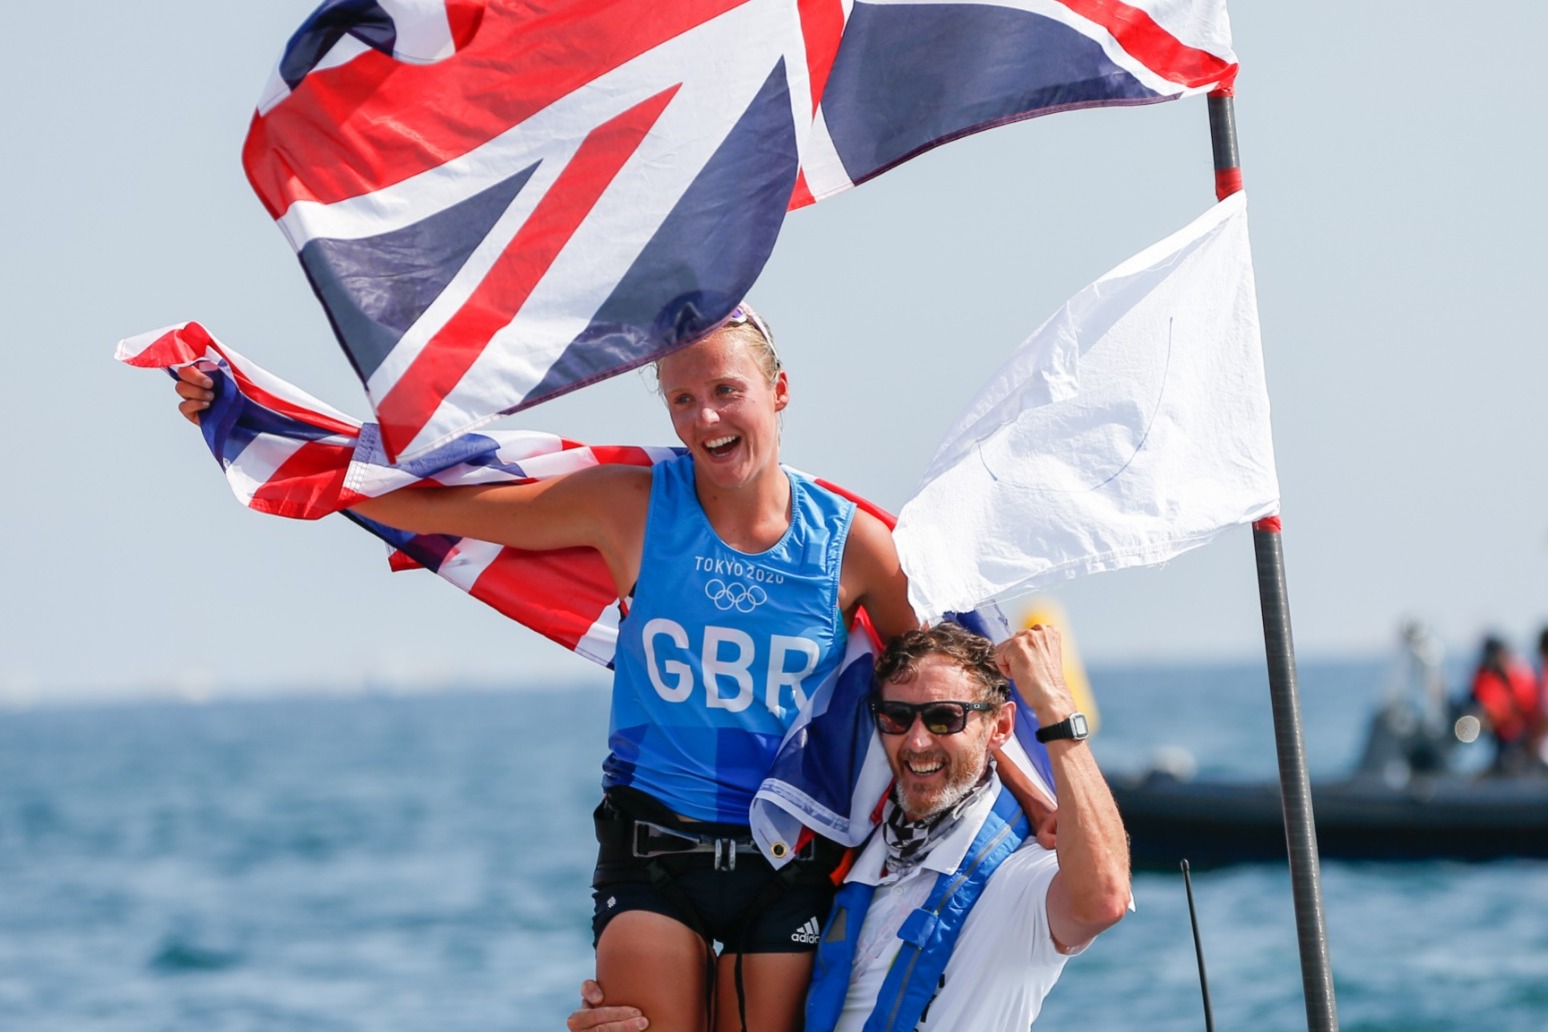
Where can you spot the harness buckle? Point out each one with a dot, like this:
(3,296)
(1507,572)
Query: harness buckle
(651,840)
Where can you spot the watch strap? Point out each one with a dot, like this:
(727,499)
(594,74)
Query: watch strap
(1073,726)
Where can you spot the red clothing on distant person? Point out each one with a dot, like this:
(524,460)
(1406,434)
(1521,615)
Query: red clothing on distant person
(1509,696)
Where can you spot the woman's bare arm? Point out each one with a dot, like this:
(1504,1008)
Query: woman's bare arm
(873,577)
(602,507)
(594,507)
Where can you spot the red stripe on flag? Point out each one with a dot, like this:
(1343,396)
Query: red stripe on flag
(1163,53)
(619,454)
(559,594)
(275,403)
(447,356)
(348,499)
(401,562)
(822,26)
(178,346)
(463,17)
(191,342)
(875,510)
(801,196)
(374,121)
(307,485)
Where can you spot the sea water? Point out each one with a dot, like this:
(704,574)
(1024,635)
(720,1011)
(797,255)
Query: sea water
(397,863)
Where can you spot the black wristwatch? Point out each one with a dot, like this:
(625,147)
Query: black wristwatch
(1074,726)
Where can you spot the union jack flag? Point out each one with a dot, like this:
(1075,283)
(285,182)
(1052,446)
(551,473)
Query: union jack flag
(499,201)
(286,453)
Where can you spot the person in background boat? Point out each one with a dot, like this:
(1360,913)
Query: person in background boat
(1413,730)
(1505,693)
(1017,911)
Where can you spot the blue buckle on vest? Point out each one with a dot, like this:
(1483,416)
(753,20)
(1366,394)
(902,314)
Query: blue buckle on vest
(918,928)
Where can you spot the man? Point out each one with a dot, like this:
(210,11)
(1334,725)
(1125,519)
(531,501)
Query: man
(953,916)
(1506,693)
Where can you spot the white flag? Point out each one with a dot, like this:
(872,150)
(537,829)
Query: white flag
(1132,426)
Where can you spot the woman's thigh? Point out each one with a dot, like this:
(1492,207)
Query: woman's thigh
(775,988)
(657,964)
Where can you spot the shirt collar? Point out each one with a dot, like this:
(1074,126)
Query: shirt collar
(947,854)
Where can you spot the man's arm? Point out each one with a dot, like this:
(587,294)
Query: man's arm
(1091,891)
(594,1017)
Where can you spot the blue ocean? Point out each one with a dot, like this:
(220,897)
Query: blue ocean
(312,863)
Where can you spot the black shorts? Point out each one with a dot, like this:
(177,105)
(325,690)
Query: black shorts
(751,908)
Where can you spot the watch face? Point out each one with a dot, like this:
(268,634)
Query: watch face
(1072,727)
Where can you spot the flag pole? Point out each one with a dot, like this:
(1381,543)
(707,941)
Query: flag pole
(1294,783)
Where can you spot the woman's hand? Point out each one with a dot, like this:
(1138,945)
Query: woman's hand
(196,390)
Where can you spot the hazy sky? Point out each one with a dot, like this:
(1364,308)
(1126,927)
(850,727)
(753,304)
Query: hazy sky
(1393,157)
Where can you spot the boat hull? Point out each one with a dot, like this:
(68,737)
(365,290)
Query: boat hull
(1213,824)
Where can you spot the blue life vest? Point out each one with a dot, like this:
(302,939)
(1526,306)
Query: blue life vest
(929,934)
(720,648)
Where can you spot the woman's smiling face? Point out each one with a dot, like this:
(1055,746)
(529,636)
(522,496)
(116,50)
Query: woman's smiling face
(724,406)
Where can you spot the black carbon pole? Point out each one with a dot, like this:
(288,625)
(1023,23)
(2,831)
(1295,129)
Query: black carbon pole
(1294,783)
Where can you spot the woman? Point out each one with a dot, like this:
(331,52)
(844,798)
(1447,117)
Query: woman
(740,579)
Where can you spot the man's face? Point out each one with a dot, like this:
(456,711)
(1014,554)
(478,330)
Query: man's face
(934,772)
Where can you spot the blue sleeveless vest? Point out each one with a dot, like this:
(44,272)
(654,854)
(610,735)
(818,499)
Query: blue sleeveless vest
(720,648)
(929,934)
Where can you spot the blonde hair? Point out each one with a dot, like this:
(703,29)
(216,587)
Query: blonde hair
(759,337)
(752,330)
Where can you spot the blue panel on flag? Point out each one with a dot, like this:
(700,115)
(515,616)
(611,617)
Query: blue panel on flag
(834,742)
(428,550)
(705,253)
(910,76)
(242,420)
(375,288)
(331,22)
(467,450)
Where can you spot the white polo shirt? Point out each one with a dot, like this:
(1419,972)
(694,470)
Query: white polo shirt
(1005,960)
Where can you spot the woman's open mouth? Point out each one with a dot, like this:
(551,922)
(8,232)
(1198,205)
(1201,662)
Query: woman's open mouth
(722,446)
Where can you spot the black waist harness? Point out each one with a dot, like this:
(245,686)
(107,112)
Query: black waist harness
(634,829)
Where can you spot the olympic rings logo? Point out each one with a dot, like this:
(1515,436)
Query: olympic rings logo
(744,598)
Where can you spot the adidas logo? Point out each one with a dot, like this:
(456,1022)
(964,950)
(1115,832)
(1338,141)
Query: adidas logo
(807,933)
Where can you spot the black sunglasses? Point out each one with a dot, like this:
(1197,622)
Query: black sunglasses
(940,718)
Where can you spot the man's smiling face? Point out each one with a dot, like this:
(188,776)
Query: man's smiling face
(934,772)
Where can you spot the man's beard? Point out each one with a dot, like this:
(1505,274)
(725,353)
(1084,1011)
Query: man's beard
(961,778)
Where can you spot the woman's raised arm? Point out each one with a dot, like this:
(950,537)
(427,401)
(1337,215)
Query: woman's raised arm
(602,507)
